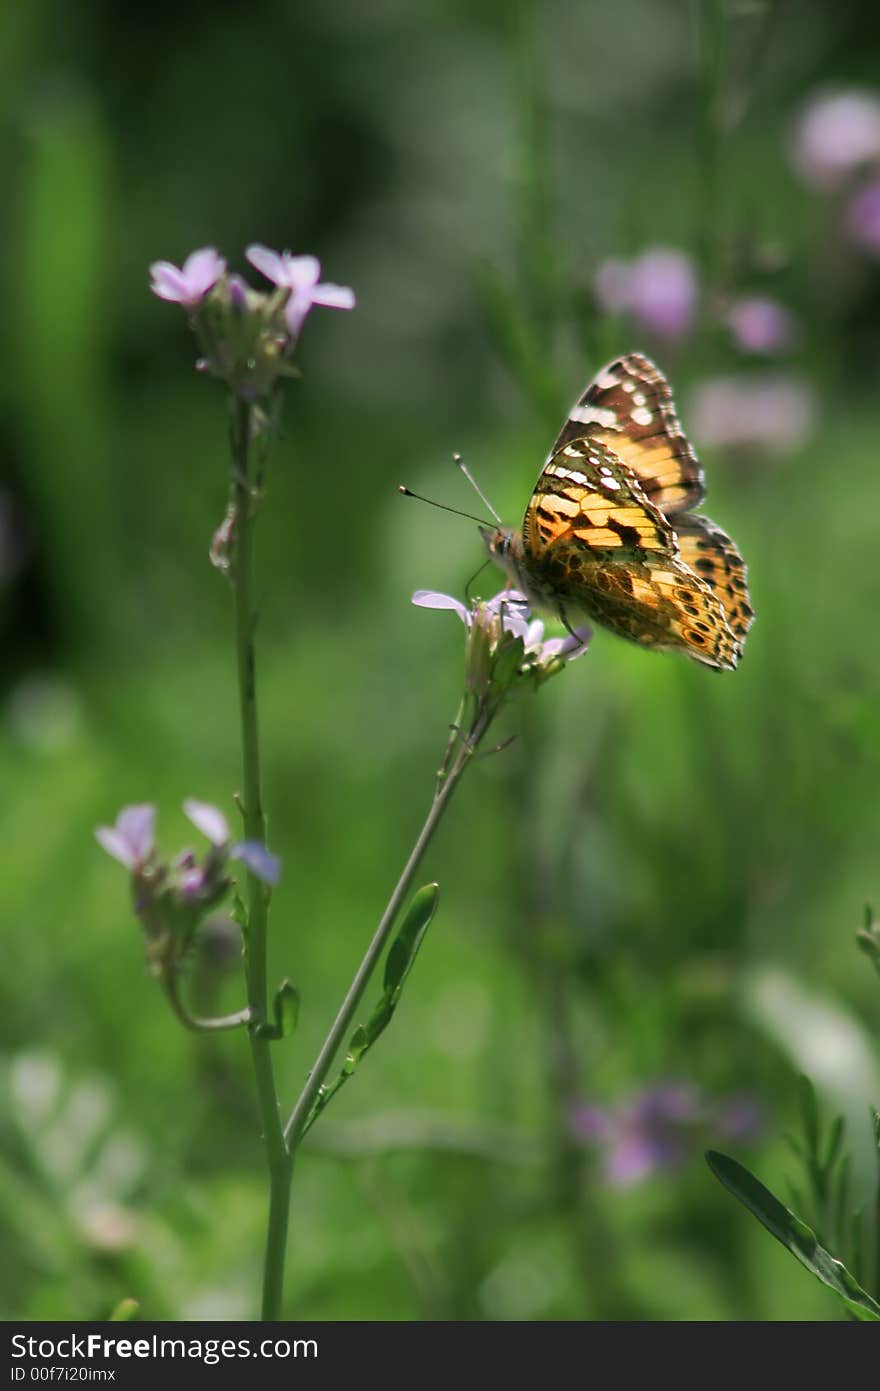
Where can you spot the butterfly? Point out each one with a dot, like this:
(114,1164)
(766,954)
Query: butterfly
(610,530)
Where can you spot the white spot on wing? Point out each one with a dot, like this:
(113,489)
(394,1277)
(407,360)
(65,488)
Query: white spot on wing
(606,379)
(642,416)
(595,415)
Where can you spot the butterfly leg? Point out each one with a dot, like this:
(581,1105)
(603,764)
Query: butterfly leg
(467,589)
(578,637)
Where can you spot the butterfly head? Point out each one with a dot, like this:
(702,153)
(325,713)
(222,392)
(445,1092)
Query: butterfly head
(500,543)
(506,549)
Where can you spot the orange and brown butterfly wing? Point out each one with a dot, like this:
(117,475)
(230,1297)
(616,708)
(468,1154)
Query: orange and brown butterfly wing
(710,553)
(628,407)
(593,541)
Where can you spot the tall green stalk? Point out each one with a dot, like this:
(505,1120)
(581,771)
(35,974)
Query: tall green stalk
(278,1157)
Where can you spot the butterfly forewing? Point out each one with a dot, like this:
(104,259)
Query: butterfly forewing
(628,406)
(592,540)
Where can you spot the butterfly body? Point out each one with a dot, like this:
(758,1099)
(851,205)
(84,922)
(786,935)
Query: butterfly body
(607,532)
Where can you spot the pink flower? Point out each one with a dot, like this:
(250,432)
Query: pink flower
(765,411)
(658,1128)
(300,275)
(761,325)
(837,134)
(658,290)
(130,840)
(201,270)
(258,860)
(613,286)
(207,819)
(213,824)
(433,599)
(512,608)
(863,217)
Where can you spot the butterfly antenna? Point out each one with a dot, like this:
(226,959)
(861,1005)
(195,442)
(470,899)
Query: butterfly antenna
(457,459)
(408,492)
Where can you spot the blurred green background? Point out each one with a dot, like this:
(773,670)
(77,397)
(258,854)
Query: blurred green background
(659,883)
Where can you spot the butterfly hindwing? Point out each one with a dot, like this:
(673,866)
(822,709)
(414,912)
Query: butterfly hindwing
(628,406)
(594,541)
(710,553)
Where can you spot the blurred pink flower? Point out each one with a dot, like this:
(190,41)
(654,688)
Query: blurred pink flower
(187,285)
(836,135)
(213,825)
(658,1128)
(258,860)
(300,275)
(130,840)
(863,217)
(207,819)
(658,290)
(765,411)
(761,325)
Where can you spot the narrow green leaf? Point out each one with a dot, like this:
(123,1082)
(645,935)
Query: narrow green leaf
(809,1110)
(841,1204)
(794,1234)
(835,1140)
(324,1095)
(357,1047)
(857,1244)
(285,1012)
(286,1008)
(378,1021)
(406,944)
(868,937)
(796,1196)
(398,964)
(870,945)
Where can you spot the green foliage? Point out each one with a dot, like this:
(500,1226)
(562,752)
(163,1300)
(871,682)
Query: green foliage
(826,1198)
(404,949)
(285,1013)
(868,939)
(398,964)
(794,1234)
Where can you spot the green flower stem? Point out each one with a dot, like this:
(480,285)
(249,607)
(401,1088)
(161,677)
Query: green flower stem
(199,1023)
(278,1156)
(296,1125)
